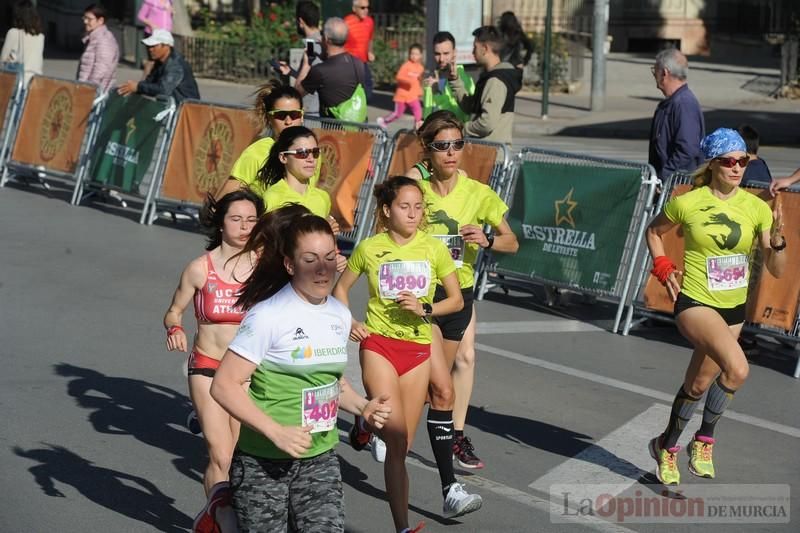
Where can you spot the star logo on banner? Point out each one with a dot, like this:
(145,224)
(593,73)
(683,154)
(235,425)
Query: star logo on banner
(564,208)
(131,127)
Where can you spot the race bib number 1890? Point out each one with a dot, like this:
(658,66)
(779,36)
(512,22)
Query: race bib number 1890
(726,272)
(398,276)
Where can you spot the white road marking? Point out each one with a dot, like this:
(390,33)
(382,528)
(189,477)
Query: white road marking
(630,387)
(536,326)
(619,459)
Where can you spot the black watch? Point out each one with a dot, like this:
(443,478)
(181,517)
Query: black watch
(490,238)
(427,308)
(779,247)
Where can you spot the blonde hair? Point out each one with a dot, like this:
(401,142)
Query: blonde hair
(702,176)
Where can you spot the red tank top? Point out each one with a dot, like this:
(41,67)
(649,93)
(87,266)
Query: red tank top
(214,303)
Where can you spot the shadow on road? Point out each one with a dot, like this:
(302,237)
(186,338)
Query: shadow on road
(126,494)
(152,414)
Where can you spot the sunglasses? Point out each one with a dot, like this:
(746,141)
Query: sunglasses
(303,153)
(444,146)
(730,162)
(294,114)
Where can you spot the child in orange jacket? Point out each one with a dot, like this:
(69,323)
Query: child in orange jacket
(409,88)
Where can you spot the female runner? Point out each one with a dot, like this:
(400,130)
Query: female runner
(721,225)
(292,345)
(213,281)
(402,265)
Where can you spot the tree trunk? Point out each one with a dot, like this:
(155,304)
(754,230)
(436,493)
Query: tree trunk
(181,23)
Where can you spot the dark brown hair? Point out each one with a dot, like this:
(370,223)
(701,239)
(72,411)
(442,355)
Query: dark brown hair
(212,215)
(269,93)
(27,18)
(385,194)
(273,169)
(274,237)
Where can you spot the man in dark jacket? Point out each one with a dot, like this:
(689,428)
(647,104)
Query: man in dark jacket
(491,108)
(678,126)
(171,74)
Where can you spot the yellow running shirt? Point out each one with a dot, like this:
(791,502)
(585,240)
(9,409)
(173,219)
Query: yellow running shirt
(470,202)
(719,236)
(417,266)
(250,161)
(316,200)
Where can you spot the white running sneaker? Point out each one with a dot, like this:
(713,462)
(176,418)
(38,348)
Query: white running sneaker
(459,502)
(381,122)
(378,448)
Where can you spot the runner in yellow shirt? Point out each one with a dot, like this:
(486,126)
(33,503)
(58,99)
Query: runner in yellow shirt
(722,225)
(277,107)
(402,265)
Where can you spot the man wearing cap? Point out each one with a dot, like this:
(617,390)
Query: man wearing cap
(171,75)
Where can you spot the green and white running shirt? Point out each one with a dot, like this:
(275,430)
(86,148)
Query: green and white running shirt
(300,350)
(719,236)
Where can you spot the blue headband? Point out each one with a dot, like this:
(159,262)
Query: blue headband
(722,141)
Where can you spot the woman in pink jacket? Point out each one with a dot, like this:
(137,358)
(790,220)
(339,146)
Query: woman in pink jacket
(156,15)
(98,63)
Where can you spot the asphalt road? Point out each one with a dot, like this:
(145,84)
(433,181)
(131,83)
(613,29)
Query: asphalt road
(93,438)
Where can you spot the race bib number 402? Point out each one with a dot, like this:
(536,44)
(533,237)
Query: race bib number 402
(321,407)
(727,272)
(455,244)
(398,276)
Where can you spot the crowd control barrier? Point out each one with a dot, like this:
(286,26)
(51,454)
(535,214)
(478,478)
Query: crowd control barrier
(772,304)
(54,134)
(205,142)
(353,158)
(10,104)
(128,148)
(579,221)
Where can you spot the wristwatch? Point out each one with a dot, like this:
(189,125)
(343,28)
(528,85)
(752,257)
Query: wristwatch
(490,238)
(427,308)
(779,247)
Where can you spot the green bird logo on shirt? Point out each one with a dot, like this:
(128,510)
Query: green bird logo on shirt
(440,217)
(729,241)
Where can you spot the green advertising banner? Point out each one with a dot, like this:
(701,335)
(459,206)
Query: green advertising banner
(126,142)
(571,223)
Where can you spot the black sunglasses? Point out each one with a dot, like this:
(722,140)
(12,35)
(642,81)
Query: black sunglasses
(294,114)
(303,153)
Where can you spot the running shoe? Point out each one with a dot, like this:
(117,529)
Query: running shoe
(464,451)
(359,438)
(208,520)
(701,462)
(459,502)
(381,122)
(193,423)
(417,529)
(378,448)
(667,471)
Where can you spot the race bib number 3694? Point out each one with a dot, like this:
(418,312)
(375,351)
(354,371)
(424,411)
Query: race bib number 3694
(727,272)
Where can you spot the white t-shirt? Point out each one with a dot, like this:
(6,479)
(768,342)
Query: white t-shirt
(296,347)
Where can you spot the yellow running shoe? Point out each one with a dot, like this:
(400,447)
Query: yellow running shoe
(667,460)
(701,462)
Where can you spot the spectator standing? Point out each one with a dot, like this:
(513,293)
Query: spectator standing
(308,18)
(438,93)
(171,75)
(335,79)
(517,47)
(98,63)
(756,169)
(156,15)
(360,31)
(24,43)
(678,125)
(409,88)
(784,183)
(491,108)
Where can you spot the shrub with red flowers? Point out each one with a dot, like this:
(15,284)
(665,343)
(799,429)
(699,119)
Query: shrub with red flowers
(273,28)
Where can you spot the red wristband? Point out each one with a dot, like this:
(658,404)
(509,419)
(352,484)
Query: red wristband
(662,268)
(172,329)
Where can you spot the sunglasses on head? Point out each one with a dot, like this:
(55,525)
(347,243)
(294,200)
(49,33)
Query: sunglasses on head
(294,114)
(303,153)
(730,162)
(444,146)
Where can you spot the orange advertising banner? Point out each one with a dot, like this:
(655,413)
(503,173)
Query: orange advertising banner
(345,165)
(771,301)
(53,124)
(477,160)
(207,140)
(8,81)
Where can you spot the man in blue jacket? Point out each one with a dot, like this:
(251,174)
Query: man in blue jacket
(678,126)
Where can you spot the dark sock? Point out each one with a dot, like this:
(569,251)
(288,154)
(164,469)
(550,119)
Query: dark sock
(459,433)
(440,433)
(718,399)
(682,409)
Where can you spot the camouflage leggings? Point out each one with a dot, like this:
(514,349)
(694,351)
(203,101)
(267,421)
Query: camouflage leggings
(305,494)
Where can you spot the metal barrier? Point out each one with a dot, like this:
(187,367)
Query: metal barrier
(375,169)
(11,94)
(129,144)
(636,187)
(638,305)
(53,137)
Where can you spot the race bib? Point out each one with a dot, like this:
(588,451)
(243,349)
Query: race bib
(320,407)
(454,243)
(398,276)
(727,272)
